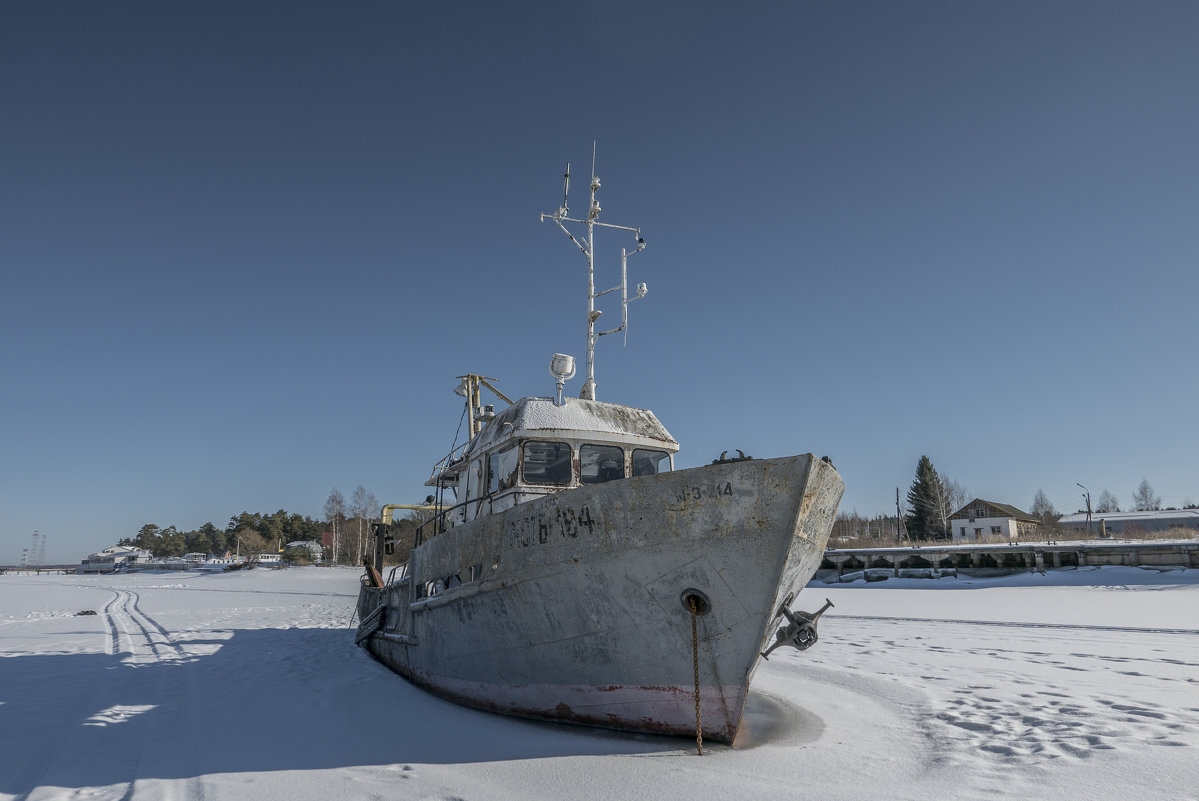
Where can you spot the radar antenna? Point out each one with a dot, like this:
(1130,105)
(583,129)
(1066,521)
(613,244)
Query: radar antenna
(587,246)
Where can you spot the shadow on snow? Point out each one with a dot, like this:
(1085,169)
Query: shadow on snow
(264,700)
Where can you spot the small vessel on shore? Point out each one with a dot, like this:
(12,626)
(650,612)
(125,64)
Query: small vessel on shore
(572,574)
(115,559)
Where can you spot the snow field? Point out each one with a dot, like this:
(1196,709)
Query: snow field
(1077,684)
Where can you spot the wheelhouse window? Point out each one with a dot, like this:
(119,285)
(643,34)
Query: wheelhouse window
(501,470)
(599,463)
(648,463)
(547,462)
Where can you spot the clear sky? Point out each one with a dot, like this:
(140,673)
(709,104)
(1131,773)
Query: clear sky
(245,248)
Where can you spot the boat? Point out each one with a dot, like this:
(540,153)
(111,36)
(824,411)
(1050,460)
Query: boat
(568,572)
(115,559)
(206,563)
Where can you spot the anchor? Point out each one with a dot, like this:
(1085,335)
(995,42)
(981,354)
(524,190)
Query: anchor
(800,632)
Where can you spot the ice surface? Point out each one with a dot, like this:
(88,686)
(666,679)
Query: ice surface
(1077,684)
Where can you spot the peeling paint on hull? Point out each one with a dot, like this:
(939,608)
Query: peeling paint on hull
(578,614)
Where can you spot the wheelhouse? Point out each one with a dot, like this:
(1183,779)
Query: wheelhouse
(536,447)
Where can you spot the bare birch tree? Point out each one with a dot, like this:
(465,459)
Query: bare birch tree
(362,506)
(335,513)
(1144,499)
(1042,508)
(950,496)
(1107,503)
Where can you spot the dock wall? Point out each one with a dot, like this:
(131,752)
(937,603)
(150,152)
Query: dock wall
(1014,557)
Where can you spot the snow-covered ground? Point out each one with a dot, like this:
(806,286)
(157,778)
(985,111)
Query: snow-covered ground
(1078,684)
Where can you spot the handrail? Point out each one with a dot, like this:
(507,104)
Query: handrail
(439,518)
(402,568)
(491,498)
(444,462)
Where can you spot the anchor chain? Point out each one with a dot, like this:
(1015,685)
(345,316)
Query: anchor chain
(699,730)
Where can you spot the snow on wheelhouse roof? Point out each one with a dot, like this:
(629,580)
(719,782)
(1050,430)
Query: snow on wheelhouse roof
(584,419)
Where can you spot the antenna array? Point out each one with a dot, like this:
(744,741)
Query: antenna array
(587,246)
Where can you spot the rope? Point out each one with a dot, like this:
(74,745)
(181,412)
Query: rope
(699,730)
(441,489)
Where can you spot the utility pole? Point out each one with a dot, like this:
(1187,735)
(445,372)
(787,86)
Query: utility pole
(1088,497)
(898,518)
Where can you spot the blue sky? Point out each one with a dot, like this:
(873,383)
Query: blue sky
(245,248)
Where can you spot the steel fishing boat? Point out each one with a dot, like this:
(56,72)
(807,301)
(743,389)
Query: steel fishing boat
(570,573)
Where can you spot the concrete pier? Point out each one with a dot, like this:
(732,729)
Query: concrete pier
(1014,557)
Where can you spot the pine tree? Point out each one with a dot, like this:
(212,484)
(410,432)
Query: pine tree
(924,519)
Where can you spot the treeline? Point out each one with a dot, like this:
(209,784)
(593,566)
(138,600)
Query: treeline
(250,533)
(854,528)
(350,534)
(931,500)
(1145,499)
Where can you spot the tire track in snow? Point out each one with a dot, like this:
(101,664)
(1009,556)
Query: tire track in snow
(115,736)
(75,701)
(112,646)
(158,638)
(146,640)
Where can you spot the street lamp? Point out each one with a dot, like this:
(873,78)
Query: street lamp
(1088,497)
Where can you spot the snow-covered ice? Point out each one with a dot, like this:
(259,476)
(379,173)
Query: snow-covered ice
(1076,684)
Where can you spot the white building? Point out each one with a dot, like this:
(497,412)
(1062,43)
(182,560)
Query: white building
(981,520)
(1134,522)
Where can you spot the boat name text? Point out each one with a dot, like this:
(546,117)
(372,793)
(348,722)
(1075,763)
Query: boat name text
(537,529)
(700,493)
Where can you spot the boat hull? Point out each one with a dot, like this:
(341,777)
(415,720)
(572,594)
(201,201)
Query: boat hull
(576,607)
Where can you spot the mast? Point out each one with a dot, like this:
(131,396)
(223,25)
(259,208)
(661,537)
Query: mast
(561,216)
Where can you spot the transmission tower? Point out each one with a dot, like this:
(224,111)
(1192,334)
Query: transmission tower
(41,552)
